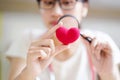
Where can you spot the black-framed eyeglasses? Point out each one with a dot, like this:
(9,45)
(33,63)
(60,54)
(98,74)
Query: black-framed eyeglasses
(64,4)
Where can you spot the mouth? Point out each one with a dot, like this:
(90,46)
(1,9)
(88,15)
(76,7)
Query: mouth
(53,23)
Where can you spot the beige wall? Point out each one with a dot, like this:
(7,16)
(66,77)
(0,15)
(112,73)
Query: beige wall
(0,40)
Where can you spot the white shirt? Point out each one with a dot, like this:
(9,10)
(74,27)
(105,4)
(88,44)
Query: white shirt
(76,68)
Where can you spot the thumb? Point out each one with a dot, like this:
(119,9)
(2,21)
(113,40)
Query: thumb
(50,32)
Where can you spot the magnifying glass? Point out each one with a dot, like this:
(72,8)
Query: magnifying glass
(70,21)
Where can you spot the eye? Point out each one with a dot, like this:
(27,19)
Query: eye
(67,3)
(48,2)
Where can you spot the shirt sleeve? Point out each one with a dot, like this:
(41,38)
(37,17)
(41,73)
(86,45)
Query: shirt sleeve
(19,47)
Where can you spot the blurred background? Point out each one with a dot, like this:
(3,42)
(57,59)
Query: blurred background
(19,15)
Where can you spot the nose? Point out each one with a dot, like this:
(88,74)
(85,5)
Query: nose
(57,11)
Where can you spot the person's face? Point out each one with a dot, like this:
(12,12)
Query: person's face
(52,10)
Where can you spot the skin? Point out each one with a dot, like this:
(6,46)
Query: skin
(42,51)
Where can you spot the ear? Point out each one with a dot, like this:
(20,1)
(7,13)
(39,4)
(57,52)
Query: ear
(85,10)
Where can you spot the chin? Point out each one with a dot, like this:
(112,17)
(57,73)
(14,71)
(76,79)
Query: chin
(64,56)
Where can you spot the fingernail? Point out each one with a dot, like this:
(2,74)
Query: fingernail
(43,53)
(60,23)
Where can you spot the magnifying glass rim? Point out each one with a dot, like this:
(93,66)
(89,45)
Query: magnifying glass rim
(67,15)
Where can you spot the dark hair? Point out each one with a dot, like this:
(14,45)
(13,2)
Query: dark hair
(78,0)
(84,1)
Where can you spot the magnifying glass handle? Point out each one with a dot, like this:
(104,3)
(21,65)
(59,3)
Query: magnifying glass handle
(87,38)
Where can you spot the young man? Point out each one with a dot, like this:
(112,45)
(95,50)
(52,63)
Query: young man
(31,57)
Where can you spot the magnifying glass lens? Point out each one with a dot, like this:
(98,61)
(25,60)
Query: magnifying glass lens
(69,21)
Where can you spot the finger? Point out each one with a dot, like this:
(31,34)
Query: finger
(50,32)
(92,46)
(98,50)
(37,54)
(47,50)
(107,49)
(44,43)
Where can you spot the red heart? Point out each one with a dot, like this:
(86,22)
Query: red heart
(67,36)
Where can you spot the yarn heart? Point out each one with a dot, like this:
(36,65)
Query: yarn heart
(67,36)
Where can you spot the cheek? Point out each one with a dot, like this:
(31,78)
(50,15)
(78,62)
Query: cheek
(45,17)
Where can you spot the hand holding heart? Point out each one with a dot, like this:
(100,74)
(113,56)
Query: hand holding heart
(42,51)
